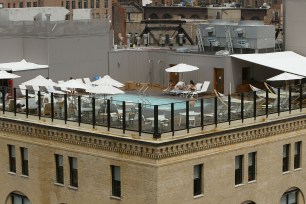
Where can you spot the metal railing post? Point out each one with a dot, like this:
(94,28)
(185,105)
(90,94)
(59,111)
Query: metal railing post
(242,107)
(79,110)
(108,114)
(267,103)
(156,133)
(93,104)
(187,116)
(27,103)
(139,119)
(301,97)
(215,110)
(255,105)
(15,99)
(65,108)
(52,107)
(229,109)
(278,101)
(39,105)
(172,118)
(290,99)
(202,113)
(123,117)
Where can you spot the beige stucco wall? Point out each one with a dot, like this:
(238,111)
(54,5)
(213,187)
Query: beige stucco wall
(150,180)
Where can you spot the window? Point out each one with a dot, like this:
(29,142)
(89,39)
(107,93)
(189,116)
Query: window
(29,4)
(73,162)
(20,4)
(286,150)
(8,5)
(252,166)
(67,4)
(73,4)
(92,3)
(85,4)
(16,199)
(97,15)
(34,4)
(105,3)
(59,168)
(24,161)
(297,155)
(197,179)
(238,169)
(116,181)
(14,5)
(97,3)
(12,158)
(79,3)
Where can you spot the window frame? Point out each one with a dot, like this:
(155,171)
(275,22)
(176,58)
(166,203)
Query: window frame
(252,156)
(239,171)
(12,159)
(73,172)
(116,184)
(24,161)
(286,157)
(59,169)
(297,154)
(198,180)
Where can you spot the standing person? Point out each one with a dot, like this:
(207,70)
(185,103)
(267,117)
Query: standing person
(191,86)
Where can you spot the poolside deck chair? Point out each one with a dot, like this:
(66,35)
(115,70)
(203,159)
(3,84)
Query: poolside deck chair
(63,88)
(188,92)
(23,91)
(283,92)
(204,89)
(87,81)
(51,89)
(262,93)
(178,88)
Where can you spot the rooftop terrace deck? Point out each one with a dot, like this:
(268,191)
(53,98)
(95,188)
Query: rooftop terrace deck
(210,117)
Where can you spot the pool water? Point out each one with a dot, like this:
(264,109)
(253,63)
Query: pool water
(150,101)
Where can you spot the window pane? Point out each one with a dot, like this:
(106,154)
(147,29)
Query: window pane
(238,169)
(197,180)
(116,183)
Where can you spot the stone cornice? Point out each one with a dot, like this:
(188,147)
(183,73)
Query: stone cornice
(152,150)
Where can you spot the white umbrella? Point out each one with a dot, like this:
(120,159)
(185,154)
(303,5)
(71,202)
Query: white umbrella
(104,89)
(107,80)
(285,77)
(7,75)
(73,84)
(182,68)
(22,65)
(39,81)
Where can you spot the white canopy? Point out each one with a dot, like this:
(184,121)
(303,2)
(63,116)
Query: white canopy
(21,66)
(39,81)
(104,89)
(285,77)
(285,61)
(6,75)
(182,68)
(107,80)
(73,84)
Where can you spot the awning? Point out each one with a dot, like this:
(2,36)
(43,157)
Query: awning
(284,61)
(23,65)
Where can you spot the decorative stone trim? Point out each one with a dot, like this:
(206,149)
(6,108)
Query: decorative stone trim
(152,150)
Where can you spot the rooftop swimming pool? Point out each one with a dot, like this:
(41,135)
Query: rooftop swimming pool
(150,101)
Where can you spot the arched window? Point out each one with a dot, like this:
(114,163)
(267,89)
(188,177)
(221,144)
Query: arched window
(16,198)
(248,202)
(153,16)
(255,18)
(194,16)
(167,16)
(292,195)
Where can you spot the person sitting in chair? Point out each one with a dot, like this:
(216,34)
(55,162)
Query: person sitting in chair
(169,88)
(192,86)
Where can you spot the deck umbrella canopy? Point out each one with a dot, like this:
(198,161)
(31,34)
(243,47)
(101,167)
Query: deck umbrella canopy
(21,66)
(288,61)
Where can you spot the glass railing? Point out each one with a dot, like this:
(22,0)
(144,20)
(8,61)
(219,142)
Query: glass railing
(147,118)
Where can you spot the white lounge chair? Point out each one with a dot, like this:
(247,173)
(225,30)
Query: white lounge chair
(203,89)
(23,91)
(178,88)
(198,88)
(87,81)
(63,88)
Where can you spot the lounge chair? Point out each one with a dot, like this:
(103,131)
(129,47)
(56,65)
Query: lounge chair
(178,88)
(203,89)
(63,88)
(23,91)
(87,81)
(188,92)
